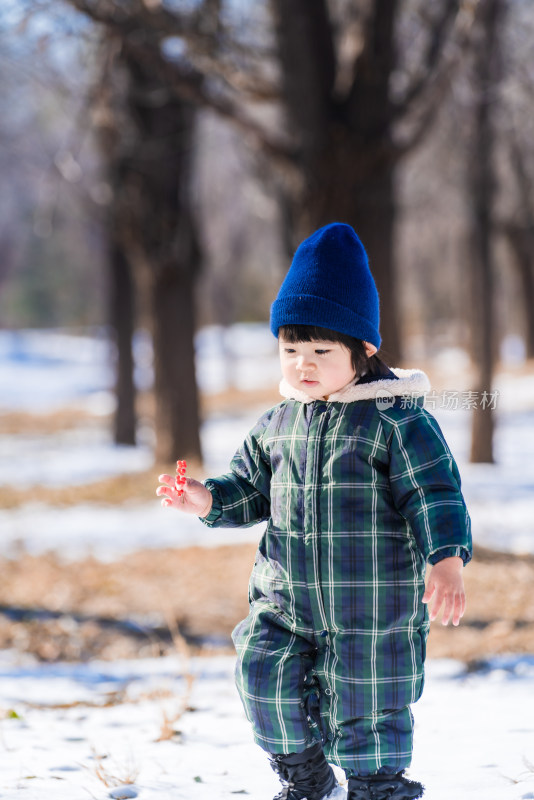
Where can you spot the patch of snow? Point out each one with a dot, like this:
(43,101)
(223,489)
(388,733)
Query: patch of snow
(43,370)
(451,359)
(108,532)
(242,355)
(67,458)
(513,349)
(473,738)
(498,496)
(474,733)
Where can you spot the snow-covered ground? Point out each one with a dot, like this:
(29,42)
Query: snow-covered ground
(63,724)
(41,370)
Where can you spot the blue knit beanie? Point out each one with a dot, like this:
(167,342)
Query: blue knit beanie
(329,284)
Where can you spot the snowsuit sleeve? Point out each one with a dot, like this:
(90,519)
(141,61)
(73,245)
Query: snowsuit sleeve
(242,497)
(426,486)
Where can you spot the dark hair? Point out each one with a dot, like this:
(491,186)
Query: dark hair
(361,362)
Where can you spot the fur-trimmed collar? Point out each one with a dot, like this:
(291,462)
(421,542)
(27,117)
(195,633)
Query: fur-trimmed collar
(411,382)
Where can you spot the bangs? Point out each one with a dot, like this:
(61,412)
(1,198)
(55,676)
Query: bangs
(314,333)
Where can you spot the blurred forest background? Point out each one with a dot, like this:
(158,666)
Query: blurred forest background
(161,160)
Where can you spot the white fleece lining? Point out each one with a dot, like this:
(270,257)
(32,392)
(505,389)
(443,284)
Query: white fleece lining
(411,382)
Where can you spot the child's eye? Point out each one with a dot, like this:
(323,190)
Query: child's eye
(322,352)
(289,350)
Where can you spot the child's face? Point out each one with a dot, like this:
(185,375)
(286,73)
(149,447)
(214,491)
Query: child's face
(316,368)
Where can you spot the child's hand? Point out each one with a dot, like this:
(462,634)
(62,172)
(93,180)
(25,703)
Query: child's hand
(446,585)
(194,497)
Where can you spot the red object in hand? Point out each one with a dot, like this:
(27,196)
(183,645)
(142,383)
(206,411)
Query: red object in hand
(181,467)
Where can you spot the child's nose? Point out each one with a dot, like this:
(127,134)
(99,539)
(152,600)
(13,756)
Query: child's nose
(303,363)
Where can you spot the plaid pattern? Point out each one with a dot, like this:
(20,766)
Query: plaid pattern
(357,499)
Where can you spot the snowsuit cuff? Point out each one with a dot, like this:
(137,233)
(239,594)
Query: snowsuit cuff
(449,552)
(216,508)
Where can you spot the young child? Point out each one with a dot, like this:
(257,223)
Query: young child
(360,492)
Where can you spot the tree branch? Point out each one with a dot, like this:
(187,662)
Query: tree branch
(247,83)
(437,88)
(133,28)
(161,24)
(138,16)
(427,69)
(192,88)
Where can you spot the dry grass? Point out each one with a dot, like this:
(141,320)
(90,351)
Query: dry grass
(168,728)
(137,486)
(113,774)
(23,423)
(500,609)
(199,592)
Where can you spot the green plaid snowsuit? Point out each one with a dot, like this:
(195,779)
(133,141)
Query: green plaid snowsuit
(358,496)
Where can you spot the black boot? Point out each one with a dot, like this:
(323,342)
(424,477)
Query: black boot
(384,787)
(305,776)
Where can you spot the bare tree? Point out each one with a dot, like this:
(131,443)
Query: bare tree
(164,244)
(350,127)
(111,125)
(152,232)
(482,190)
(519,229)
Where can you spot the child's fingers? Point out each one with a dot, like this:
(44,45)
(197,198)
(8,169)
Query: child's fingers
(454,608)
(168,479)
(459,609)
(165,490)
(436,605)
(448,609)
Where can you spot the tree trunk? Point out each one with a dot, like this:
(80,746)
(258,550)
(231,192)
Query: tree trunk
(164,245)
(522,245)
(346,163)
(521,236)
(482,191)
(375,218)
(177,417)
(107,121)
(122,322)
(349,193)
